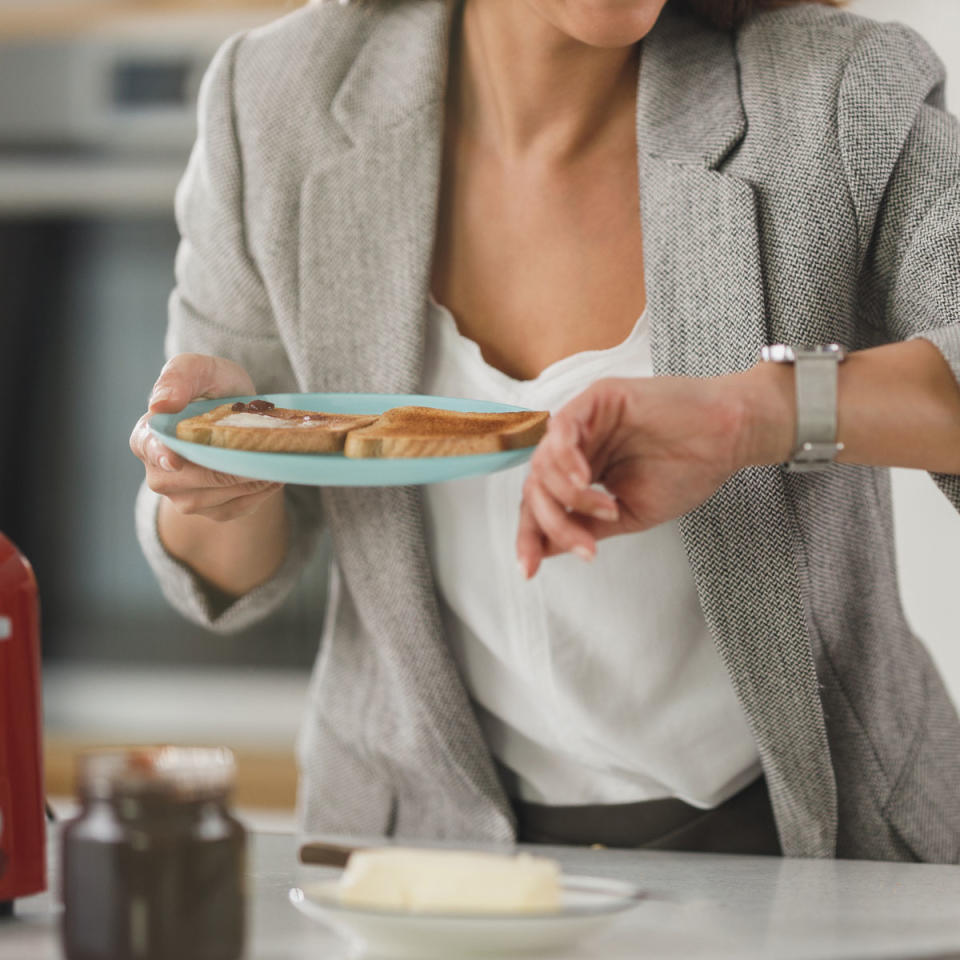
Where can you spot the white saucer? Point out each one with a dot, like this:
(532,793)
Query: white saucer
(589,904)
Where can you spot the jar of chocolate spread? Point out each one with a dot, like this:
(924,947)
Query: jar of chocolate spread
(153,867)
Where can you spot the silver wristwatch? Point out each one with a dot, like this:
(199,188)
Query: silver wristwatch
(815,374)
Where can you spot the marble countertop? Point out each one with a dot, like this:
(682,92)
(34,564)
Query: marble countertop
(699,905)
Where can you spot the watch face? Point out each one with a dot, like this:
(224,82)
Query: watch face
(788,353)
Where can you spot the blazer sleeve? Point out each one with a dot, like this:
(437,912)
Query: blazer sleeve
(221,306)
(901,151)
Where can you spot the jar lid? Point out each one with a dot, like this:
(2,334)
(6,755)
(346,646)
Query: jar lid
(181,772)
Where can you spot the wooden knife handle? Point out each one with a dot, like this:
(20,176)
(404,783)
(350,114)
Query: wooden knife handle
(320,854)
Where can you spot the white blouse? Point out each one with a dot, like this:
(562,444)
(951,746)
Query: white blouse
(594,683)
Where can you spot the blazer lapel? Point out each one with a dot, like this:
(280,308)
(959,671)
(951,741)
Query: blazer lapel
(708,316)
(367,216)
(367,230)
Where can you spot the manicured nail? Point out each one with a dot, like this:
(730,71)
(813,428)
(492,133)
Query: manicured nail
(584,553)
(522,567)
(160,394)
(578,481)
(606,513)
(167,465)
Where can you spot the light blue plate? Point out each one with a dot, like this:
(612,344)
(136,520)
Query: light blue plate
(334,469)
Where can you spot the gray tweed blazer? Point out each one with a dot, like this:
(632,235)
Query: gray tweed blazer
(800,182)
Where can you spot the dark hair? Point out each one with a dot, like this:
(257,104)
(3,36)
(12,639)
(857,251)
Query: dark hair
(728,13)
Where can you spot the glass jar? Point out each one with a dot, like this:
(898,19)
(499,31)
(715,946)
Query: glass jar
(153,867)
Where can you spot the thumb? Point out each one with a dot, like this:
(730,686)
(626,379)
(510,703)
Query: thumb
(192,376)
(590,419)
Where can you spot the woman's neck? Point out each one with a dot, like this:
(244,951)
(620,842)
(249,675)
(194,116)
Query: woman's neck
(521,86)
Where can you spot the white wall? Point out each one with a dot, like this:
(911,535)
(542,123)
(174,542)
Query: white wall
(928,529)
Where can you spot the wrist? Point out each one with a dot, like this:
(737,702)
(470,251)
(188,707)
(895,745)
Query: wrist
(767,394)
(232,555)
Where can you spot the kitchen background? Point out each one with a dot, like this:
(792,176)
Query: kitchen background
(96,120)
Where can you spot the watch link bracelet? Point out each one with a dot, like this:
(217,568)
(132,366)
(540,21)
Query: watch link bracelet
(815,375)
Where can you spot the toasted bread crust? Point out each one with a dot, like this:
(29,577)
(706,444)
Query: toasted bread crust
(400,432)
(429,432)
(327,436)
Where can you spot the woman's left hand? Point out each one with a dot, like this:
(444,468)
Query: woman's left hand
(659,446)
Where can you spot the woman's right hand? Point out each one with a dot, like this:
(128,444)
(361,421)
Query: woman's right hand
(191,489)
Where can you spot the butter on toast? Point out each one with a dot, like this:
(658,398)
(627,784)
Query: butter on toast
(260,425)
(430,432)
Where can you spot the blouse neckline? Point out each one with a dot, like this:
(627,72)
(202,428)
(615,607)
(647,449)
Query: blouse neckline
(550,372)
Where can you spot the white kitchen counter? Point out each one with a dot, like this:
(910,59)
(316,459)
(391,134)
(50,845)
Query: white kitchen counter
(700,905)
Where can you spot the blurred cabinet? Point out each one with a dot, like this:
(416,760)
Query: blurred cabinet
(70,17)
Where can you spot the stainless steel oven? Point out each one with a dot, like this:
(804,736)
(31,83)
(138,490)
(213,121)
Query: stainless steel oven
(95,129)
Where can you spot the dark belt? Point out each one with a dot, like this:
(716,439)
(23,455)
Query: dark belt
(742,824)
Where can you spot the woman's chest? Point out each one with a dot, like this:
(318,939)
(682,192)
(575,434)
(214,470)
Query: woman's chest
(538,267)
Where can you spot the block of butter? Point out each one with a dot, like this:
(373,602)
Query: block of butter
(450,881)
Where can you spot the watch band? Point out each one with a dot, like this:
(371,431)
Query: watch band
(815,375)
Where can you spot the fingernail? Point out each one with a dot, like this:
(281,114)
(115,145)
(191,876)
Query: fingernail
(522,567)
(584,553)
(578,481)
(167,465)
(160,394)
(605,513)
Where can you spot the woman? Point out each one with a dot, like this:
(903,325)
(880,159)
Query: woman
(415,196)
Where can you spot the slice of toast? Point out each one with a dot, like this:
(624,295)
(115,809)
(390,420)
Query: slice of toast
(262,426)
(429,432)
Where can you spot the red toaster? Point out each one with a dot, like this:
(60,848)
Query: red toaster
(22,826)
